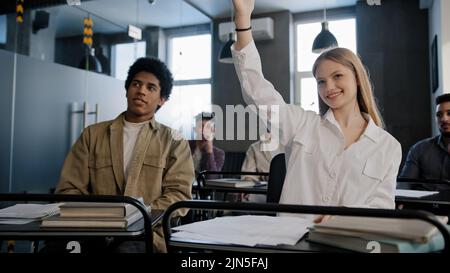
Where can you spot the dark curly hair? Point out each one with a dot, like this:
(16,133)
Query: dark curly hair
(442,98)
(157,68)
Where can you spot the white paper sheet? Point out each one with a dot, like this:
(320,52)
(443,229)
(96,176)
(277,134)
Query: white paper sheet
(412,193)
(248,230)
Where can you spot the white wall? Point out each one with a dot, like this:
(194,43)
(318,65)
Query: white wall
(42,43)
(445,34)
(439,24)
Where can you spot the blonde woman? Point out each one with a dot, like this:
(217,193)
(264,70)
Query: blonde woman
(342,157)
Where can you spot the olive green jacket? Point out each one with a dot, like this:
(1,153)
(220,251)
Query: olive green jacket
(161,170)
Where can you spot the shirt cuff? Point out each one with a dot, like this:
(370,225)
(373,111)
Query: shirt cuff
(248,49)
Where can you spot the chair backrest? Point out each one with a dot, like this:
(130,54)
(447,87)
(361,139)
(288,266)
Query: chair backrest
(233,161)
(423,184)
(277,173)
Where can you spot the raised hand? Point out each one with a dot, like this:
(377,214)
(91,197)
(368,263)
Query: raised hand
(243,7)
(243,11)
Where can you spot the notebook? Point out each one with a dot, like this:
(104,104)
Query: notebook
(234,183)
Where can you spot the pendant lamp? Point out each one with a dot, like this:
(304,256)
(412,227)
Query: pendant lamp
(225,53)
(325,39)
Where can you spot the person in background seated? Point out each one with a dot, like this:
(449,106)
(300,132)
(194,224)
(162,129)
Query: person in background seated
(134,155)
(205,155)
(341,157)
(257,159)
(430,158)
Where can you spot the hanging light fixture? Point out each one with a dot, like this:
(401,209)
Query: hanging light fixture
(225,53)
(325,39)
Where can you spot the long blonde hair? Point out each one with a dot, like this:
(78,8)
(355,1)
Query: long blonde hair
(365,98)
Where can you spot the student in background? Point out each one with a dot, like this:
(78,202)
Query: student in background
(134,155)
(342,157)
(205,155)
(430,158)
(257,159)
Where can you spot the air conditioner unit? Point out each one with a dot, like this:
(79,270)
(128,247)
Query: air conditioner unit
(262,29)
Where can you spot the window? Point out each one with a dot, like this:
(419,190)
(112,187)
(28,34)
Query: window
(2,29)
(190,62)
(124,55)
(306,87)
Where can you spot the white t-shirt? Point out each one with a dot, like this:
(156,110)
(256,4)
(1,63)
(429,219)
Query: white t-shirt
(130,134)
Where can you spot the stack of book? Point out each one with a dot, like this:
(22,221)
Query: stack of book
(382,235)
(91,215)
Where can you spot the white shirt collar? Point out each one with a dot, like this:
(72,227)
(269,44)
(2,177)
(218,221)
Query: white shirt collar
(371,131)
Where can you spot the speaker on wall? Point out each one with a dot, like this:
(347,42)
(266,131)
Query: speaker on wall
(40,21)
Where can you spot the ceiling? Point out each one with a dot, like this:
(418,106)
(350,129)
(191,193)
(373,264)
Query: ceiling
(115,15)
(221,8)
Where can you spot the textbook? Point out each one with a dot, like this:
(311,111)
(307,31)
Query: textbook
(91,222)
(234,183)
(94,209)
(366,242)
(406,229)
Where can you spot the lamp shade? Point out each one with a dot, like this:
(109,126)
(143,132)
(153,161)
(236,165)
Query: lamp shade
(324,40)
(225,52)
(90,62)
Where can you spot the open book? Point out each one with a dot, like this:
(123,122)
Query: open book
(233,183)
(20,214)
(94,209)
(30,211)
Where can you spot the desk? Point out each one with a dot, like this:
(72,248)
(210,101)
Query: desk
(203,190)
(302,245)
(33,231)
(437,203)
(141,230)
(256,190)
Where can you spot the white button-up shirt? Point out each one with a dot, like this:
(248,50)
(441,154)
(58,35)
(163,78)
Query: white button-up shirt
(320,171)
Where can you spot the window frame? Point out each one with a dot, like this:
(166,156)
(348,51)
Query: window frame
(316,17)
(186,32)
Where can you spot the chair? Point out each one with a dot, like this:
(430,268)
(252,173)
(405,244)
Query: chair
(422,184)
(233,161)
(277,173)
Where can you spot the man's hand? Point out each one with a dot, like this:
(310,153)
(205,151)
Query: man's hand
(322,218)
(244,197)
(209,146)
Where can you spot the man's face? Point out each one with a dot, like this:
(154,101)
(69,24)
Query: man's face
(443,118)
(143,97)
(205,128)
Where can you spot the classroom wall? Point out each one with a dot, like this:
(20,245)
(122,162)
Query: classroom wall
(439,25)
(43,123)
(392,41)
(277,67)
(6,98)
